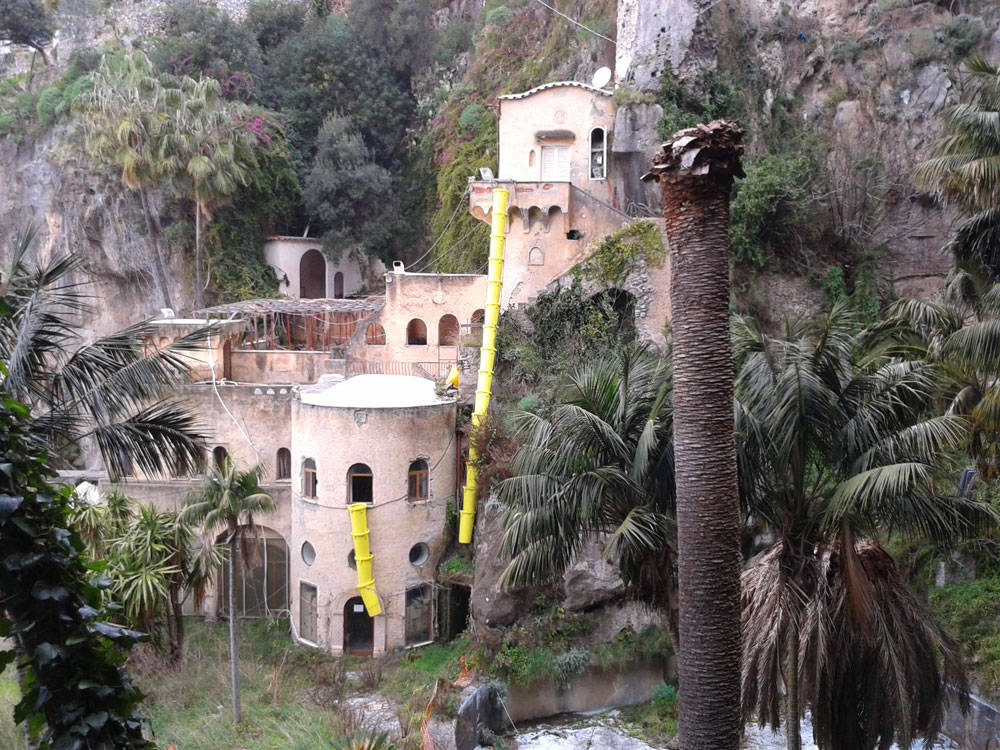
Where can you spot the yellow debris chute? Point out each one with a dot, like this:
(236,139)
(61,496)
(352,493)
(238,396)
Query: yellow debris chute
(363,558)
(487,354)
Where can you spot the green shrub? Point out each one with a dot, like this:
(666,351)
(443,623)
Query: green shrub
(846,51)
(49,100)
(712,97)
(454,39)
(835,289)
(498,15)
(922,45)
(617,255)
(7,124)
(770,208)
(25,103)
(568,665)
(70,93)
(472,118)
(969,611)
(959,34)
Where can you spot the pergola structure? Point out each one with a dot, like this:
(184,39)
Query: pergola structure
(297,324)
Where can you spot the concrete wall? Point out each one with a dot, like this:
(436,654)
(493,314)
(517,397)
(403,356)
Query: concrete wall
(387,440)
(284,254)
(279,366)
(596,689)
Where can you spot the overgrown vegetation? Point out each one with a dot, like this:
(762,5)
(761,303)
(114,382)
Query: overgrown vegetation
(564,327)
(615,257)
(968,610)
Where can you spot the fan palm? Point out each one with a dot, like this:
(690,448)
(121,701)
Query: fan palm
(228,500)
(127,114)
(965,167)
(599,467)
(208,152)
(114,391)
(843,455)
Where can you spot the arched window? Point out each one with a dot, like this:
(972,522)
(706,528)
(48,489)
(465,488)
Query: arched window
(476,325)
(219,456)
(536,257)
(283,464)
(448,330)
(416,332)
(598,154)
(312,275)
(417,481)
(359,484)
(375,335)
(309,482)
(338,285)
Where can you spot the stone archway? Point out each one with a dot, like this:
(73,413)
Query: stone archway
(359,628)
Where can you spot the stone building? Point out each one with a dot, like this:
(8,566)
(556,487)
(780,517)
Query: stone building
(335,391)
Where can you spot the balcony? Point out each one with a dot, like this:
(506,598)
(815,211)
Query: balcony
(533,202)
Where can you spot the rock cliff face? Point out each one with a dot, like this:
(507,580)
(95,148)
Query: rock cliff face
(870,78)
(48,183)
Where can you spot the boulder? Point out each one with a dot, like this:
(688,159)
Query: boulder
(481,710)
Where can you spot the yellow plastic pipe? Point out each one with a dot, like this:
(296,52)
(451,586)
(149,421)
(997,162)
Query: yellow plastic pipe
(363,558)
(487,354)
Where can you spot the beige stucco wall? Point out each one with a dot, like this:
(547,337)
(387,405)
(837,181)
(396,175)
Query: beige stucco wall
(284,253)
(429,297)
(208,354)
(280,366)
(560,108)
(541,214)
(387,440)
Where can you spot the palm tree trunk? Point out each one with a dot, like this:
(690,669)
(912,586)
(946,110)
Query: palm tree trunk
(159,274)
(198,291)
(234,668)
(696,191)
(793,731)
(175,616)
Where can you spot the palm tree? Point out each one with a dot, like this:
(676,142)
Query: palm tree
(127,114)
(209,150)
(961,339)
(229,499)
(696,169)
(114,391)
(599,467)
(843,456)
(963,167)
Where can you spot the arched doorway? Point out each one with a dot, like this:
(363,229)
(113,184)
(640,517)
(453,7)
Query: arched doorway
(312,275)
(338,284)
(359,628)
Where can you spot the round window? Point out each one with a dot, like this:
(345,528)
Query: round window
(419,554)
(308,553)
(351,562)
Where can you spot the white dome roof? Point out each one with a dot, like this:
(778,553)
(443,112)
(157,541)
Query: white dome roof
(374,392)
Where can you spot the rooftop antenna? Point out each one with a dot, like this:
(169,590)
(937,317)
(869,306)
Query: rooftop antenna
(602,76)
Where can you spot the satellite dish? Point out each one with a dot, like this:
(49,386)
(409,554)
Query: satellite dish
(601,78)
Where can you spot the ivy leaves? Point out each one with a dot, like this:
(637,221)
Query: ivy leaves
(75,692)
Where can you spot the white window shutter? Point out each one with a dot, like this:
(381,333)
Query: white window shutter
(555,163)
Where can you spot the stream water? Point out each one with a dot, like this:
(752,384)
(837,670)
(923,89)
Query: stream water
(762,738)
